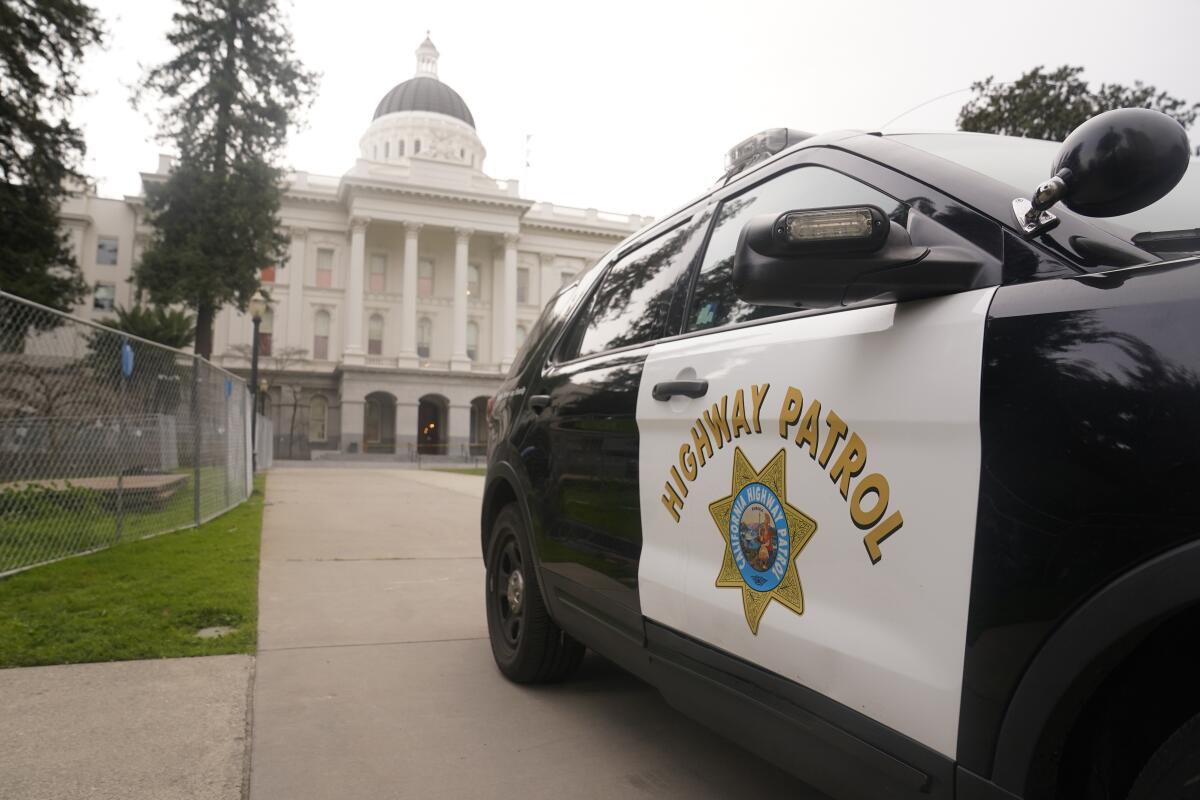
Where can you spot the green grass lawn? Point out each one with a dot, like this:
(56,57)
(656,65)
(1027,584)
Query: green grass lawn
(464,470)
(140,599)
(64,525)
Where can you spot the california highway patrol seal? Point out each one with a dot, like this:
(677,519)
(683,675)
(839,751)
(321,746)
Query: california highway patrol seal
(763,535)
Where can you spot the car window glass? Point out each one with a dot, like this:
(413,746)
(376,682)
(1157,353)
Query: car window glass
(713,300)
(555,309)
(631,303)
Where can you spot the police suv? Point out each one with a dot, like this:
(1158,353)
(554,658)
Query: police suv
(875,458)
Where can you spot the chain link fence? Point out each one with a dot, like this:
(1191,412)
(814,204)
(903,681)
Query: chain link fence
(105,437)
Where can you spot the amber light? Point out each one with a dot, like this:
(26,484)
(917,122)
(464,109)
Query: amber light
(824,226)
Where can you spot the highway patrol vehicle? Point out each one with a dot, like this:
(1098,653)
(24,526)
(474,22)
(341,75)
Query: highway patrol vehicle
(876,459)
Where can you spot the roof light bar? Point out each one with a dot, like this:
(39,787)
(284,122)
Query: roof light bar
(760,147)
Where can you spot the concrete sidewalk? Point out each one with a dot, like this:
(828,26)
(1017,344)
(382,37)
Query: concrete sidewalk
(171,729)
(375,678)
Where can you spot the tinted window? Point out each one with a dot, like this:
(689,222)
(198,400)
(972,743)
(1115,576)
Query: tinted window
(713,301)
(630,305)
(558,306)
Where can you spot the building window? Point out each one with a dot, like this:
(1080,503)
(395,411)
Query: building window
(106,250)
(318,413)
(462,153)
(424,336)
(375,335)
(473,340)
(377,279)
(400,147)
(522,285)
(416,147)
(321,336)
(375,152)
(425,278)
(387,149)
(267,274)
(324,268)
(521,334)
(103,296)
(567,277)
(473,282)
(264,333)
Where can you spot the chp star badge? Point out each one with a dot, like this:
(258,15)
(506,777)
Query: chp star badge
(763,535)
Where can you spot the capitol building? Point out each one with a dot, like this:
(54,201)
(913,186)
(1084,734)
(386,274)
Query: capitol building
(410,283)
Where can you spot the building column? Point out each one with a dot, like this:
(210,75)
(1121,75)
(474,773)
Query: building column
(458,358)
(408,298)
(508,304)
(352,351)
(548,279)
(295,276)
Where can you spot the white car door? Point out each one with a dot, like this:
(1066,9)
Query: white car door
(814,511)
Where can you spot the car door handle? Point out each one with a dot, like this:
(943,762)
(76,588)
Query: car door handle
(539,402)
(668,389)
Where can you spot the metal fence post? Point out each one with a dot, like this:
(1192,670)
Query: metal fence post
(121,433)
(196,361)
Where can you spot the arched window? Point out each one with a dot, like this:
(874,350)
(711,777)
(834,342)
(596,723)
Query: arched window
(264,333)
(424,336)
(375,152)
(425,277)
(473,340)
(321,336)
(375,335)
(318,412)
(416,147)
(400,147)
(387,149)
(521,334)
(473,282)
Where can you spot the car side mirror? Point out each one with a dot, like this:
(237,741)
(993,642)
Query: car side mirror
(1115,163)
(819,258)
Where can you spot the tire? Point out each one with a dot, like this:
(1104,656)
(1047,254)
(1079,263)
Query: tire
(1173,772)
(527,645)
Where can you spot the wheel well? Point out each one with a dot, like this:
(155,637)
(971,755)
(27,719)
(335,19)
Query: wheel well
(499,494)
(1097,742)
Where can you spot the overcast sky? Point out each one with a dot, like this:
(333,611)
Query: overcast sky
(632,105)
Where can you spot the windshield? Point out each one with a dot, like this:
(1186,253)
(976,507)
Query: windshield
(1024,163)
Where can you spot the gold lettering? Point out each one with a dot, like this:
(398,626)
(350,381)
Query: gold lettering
(810,428)
(701,444)
(687,461)
(872,483)
(793,401)
(718,422)
(875,538)
(838,430)
(757,395)
(849,463)
(671,501)
(739,414)
(683,490)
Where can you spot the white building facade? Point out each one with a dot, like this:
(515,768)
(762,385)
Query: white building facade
(410,282)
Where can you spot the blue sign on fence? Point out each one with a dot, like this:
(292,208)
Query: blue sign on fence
(126,359)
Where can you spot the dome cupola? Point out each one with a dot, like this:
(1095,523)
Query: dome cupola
(423,117)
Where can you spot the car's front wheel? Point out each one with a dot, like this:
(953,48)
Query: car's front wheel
(527,645)
(1173,772)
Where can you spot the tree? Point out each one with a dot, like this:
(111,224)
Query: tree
(231,93)
(165,326)
(1049,105)
(41,45)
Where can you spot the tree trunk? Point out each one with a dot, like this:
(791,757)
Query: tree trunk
(205,314)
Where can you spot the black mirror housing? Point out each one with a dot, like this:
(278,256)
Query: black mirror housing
(771,269)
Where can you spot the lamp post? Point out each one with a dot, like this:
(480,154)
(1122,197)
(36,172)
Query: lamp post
(258,307)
